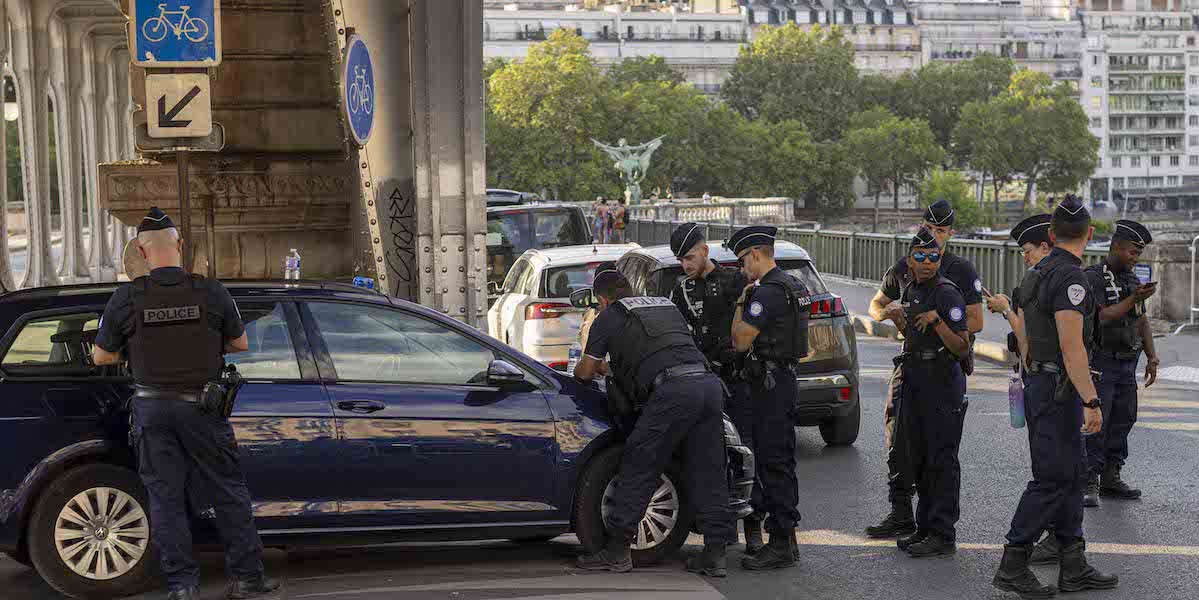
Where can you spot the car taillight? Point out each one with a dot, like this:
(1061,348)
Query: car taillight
(829,307)
(545,310)
(559,365)
(845,394)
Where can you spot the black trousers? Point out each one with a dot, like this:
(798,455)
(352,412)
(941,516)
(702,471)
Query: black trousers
(685,414)
(774,438)
(740,409)
(1117,388)
(177,445)
(932,416)
(899,483)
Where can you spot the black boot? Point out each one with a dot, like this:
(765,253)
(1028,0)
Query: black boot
(253,587)
(904,543)
(934,544)
(187,593)
(899,522)
(614,556)
(1113,485)
(1014,575)
(711,562)
(1076,575)
(778,554)
(1048,552)
(753,535)
(1090,496)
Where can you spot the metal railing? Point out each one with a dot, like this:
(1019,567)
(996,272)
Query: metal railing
(866,256)
(1194,301)
(742,212)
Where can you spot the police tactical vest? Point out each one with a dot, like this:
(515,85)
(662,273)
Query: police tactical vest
(173,345)
(1121,334)
(654,324)
(711,304)
(1040,326)
(916,300)
(785,338)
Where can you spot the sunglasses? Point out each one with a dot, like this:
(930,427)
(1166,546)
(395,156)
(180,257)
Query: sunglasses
(933,257)
(741,259)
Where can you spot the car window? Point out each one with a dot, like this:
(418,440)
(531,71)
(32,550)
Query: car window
(563,227)
(369,343)
(528,279)
(561,281)
(54,343)
(806,273)
(635,270)
(272,354)
(514,275)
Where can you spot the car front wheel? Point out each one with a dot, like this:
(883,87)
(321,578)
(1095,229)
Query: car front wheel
(89,535)
(664,526)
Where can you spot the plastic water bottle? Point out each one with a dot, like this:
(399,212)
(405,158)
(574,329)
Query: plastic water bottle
(291,265)
(1015,397)
(573,356)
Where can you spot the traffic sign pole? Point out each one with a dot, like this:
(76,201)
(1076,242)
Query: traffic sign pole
(185,215)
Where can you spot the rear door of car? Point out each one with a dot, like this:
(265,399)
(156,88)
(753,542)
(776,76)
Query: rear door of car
(829,343)
(426,440)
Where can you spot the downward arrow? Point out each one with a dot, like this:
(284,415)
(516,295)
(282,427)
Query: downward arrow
(166,118)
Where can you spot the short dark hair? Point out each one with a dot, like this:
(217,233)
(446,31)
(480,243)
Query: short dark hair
(767,250)
(1069,230)
(613,287)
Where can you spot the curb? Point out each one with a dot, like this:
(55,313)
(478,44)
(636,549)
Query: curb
(988,351)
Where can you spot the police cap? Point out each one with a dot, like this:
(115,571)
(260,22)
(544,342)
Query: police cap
(604,273)
(1071,210)
(684,238)
(1133,232)
(155,220)
(748,237)
(939,213)
(924,239)
(1032,230)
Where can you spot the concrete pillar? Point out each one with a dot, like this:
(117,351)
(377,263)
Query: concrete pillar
(66,127)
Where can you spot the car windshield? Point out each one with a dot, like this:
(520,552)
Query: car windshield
(520,230)
(801,269)
(561,281)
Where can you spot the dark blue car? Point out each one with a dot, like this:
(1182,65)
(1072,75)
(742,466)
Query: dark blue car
(365,419)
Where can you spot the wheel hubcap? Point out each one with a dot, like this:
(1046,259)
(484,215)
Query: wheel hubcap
(101,533)
(659,518)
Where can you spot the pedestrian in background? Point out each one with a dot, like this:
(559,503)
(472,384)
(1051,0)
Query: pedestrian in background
(600,233)
(619,221)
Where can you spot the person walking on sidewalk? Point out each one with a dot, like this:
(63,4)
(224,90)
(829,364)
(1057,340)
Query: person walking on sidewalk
(938,218)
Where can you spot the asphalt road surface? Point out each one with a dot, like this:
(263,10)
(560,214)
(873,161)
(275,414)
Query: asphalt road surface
(1152,544)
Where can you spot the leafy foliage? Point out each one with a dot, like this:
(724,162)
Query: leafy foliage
(953,187)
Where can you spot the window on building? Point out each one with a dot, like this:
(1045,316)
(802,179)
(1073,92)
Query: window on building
(1193,140)
(1096,122)
(1115,162)
(1172,181)
(1195,80)
(1190,40)
(1175,161)
(1155,161)
(1195,60)
(1134,161)
(1193,120)
(1096,82)
(1095,60)
(1095,102)
(1194,160)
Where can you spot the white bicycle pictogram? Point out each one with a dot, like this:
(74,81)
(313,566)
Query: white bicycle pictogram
(178,22)
(360,92)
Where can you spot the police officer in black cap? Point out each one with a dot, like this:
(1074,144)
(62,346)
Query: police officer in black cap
(1123,334)
(1060,403)
(932,394)
(938,219)
(771,323)
(174,438)
(706,297)
(654,360)
(1032,236)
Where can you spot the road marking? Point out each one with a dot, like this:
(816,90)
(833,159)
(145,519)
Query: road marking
(1169,403)
(1169,426)
(1162,415)
(647,584)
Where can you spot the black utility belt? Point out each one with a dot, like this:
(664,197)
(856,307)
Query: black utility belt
(1038,367)
(667,375)
(924,355)
(151,393)
(1132,355)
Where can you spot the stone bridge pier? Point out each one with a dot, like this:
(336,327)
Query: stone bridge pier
(406,208)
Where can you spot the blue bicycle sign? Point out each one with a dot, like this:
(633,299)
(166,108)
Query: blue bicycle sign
(176,33)
(358,89)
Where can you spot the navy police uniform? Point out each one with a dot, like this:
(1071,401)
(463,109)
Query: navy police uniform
(932,395)
(778,307)
(654,359)
(178,445)
(1118,347)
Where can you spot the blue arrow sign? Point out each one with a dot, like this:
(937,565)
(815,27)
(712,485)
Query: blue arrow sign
(358,89)
(176,33)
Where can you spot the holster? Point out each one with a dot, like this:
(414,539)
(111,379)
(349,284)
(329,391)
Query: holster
(218,396)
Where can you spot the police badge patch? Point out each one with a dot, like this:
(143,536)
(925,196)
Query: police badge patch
(755,309)
(955,314)
(1076,293)
(978,285)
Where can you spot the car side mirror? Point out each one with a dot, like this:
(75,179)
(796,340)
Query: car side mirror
(583,298)
(501,372)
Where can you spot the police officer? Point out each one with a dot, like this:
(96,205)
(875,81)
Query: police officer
(1032,236)
(706,297)
(1124,332)
(938,218)
(173,437)
(654,360)
(932,394)
(1060,403)
(771,323)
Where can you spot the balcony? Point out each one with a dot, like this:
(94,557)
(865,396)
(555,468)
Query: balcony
(886,47)
(1139,68)
(1171,107)
(1074,73)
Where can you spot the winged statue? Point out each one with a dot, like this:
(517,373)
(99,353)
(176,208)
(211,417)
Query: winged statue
(632,162)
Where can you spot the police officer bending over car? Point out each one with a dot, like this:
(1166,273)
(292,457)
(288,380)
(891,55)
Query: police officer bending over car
(654,363)
(175,328)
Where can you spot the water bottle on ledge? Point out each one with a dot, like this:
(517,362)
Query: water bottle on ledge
(291,265)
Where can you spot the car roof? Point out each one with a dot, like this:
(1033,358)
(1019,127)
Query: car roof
(578,255)
(88,293)
(531,206)
(783,250)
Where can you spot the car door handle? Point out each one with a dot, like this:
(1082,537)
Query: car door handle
(361,406)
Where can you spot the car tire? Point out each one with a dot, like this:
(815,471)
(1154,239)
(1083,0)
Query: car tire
(120,510)
(589,500)
(19,557)
(842,431)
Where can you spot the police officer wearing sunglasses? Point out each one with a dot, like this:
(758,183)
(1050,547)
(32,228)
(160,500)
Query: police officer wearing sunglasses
(938,220)
(932,394)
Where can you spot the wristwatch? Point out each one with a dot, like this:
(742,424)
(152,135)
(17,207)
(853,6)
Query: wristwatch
(1092,403)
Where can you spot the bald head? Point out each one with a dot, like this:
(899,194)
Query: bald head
(160,247)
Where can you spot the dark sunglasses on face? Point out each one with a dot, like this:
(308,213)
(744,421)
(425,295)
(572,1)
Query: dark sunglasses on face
(741,259)
(933,257)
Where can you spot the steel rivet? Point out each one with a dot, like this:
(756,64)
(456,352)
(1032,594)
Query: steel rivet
(370,202)
(341,31)
(372,221)
(376,240)
(368,184)
(379,259)
(364,164)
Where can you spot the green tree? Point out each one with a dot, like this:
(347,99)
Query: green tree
(788,73)
(891,151)
(953,187)
(987,139)
(938,92)
(643,69)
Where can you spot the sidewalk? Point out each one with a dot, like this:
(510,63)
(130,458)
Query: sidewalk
(1179,353)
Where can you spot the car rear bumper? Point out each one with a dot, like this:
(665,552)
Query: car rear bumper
(821,397)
